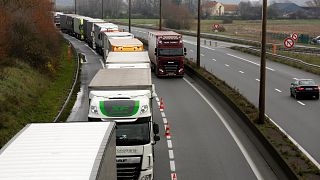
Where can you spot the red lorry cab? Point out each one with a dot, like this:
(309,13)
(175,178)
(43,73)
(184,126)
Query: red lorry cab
(167,53)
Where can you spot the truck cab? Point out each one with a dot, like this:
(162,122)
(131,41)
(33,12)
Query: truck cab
(167,53)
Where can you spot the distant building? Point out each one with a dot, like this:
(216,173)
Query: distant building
(231,10)
(213,8)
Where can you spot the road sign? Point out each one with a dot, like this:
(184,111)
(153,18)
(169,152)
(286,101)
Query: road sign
(173,176)
(294,36)
(215,26)
(288,43)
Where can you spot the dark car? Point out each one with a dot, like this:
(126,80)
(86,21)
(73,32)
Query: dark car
(316,40)
(304,88)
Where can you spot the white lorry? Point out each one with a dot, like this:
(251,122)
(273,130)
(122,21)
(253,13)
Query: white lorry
(99,29)
(113,35)
(88,27)
(128,60)
(125,96)
(48,151)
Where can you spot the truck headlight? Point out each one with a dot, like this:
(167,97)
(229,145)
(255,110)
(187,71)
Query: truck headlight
(144,109)
(94,109)
(146,177)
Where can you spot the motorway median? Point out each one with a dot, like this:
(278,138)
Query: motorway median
(29,96)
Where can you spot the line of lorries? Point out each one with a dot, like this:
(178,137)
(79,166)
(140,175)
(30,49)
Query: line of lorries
(120,99)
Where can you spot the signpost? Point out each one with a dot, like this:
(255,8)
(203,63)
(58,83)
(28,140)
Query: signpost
(288,42)
(215,26)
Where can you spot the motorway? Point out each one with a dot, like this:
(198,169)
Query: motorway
(206,140)
(298,118)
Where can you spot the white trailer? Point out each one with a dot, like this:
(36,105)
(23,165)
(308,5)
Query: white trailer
(50,151)
(128,60)
(125,97)
(99,29)
(113,35)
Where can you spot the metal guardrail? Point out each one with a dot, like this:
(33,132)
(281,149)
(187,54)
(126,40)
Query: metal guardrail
(286,58)
(75,80)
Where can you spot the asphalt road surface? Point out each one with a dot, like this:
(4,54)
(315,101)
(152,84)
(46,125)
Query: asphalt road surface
(206,141)
(298,118)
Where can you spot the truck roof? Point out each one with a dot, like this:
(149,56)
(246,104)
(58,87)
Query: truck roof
(125,42)
(55,151)
(128,65)
(97,20)
(106,25)
(164,33)
(128,57)
(121,79)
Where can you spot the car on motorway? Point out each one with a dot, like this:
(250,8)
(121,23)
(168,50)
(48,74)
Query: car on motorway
(304,88)
(316,40)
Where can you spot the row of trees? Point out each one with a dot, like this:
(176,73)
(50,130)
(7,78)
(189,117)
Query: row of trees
(27,33)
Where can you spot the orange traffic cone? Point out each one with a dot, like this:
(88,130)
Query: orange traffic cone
(161,104)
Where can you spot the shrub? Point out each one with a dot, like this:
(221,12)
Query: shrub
(177,17)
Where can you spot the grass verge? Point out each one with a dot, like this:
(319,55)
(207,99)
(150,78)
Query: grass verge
(300,165)
(27,96)
(306,58)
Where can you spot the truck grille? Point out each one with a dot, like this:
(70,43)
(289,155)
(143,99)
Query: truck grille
(128,168)
(171,66)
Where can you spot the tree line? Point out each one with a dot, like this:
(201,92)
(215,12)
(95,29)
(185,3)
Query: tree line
(28,34)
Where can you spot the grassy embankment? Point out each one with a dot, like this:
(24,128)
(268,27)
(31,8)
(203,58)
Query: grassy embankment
(28,96)
(248,29)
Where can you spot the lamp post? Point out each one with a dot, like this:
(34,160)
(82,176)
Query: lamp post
(129,16)
(198,35)
(160,16)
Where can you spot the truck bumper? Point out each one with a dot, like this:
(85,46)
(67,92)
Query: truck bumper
(144,173)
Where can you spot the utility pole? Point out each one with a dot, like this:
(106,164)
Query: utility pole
(198,35)
(129,16)
(102,9)
(262,92)
(160,16)
(75,6)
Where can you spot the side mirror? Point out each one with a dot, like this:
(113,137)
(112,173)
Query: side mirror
(155,51)
(156,138)
(155,128)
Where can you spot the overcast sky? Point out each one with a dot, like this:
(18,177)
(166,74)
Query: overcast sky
(299,2)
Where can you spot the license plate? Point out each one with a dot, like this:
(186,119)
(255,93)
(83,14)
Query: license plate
(171,74)
(308,89)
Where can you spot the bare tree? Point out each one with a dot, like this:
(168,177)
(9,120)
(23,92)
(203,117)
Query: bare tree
(313,3)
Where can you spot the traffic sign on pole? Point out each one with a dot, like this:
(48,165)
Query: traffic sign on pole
(288,43)
(215,26)
(294,36)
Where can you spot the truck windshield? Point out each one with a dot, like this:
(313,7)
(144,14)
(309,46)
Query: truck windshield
(171,52)
(133,134)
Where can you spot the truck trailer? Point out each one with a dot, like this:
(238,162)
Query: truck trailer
(124,45)
(78,27)
(128,60)
(113,35)
(125,96)
(99,29)
(166,53)
(65,25)
(88,27)
(73,151)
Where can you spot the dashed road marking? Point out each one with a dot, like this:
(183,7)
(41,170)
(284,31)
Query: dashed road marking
(258,80)
(172,166)
(169,144)
(301,103)
(227,65)
(295,78)
(241,72)
(278,90)
(202,54)
(249,61)
(171,155)
(214,60)
(163,114)
(191,50)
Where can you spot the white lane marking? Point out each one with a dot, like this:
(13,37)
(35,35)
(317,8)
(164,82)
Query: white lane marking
(165,121)
(157,99)
(227,65)
(249,61)
(214,60)
(86,45)
(296,144)
(295,78)
(241,72)
(301,103)
(94,52)
(169,144)
(163,114)
(278,90)
(172,166)
(258,80)
(191,50)
(234,136)
(102,64)
(171,155)
(202,54)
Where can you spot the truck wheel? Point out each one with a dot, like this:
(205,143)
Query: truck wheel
(156,71)
(317,96)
